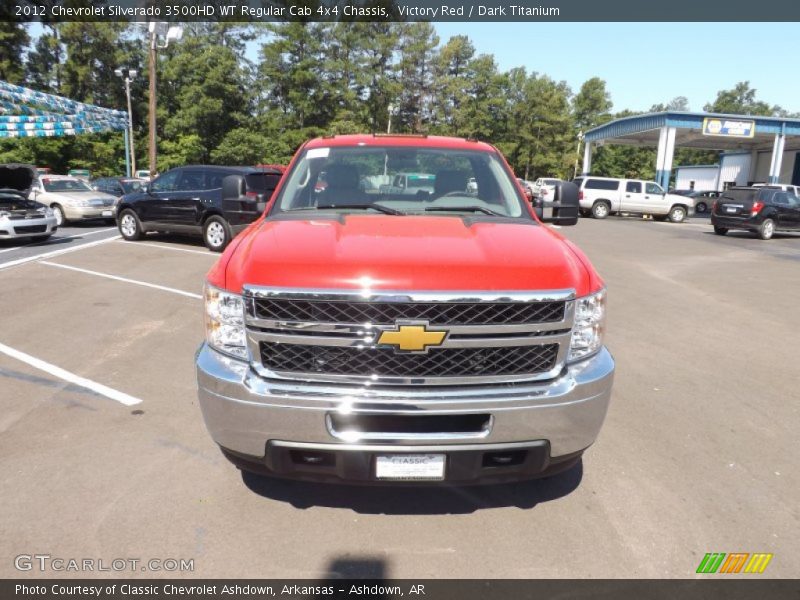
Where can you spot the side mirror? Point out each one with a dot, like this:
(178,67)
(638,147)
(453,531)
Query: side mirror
(563,209)
(233,187)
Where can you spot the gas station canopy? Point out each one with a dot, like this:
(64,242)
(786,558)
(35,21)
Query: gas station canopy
(709,131)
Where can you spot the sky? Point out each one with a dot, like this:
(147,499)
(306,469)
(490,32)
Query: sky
(649,63)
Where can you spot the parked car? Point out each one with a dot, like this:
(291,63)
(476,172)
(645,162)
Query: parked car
(411,184)
(603,196)
(21,217)
(84,174)
(118,186)
(527,188)
(388,338)
(786,187)
(762,210)
(73,200)
(141,174)
(544,186)
(702,199)
(214,202)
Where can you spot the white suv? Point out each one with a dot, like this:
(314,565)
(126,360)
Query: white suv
(785,187)
(602,196)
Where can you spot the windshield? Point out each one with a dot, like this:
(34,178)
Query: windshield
(131,186)
(400,180)
(65,185)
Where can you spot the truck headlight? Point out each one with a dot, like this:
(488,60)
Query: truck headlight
(590,325)
(225,322)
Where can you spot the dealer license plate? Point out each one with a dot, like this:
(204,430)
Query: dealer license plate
(415,467)
(108,213)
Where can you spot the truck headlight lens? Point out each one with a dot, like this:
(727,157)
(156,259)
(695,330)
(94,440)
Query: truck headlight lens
(590,325)
(225,322)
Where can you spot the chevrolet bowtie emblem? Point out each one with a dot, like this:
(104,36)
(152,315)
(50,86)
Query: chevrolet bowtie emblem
(412,338)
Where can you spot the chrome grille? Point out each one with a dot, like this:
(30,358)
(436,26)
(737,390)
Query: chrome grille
(387,313)
(335,336)
(440,362)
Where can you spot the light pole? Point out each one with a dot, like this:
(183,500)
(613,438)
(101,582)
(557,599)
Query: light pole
(169,33)
(128,75)
(391,110)
(577,154)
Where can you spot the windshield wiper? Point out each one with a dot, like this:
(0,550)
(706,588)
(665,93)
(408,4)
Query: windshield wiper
(470,208)
(379,207)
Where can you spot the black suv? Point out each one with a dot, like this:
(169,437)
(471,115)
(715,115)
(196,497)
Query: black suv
(212,201)
(762,210)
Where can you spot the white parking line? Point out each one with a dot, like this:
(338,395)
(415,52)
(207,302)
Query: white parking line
(165,247)
(27,259)
(93,386)
(55,240)
(124,279)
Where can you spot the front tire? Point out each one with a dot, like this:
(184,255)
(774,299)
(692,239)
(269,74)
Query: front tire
(767,229)
(130,227)
(601,210)
(677,214)
(58,213)
(720,230)
(216,234)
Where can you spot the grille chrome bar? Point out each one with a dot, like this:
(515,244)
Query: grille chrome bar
(472,353)
(355,342)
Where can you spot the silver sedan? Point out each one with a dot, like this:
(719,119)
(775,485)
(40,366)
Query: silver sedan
(21,218)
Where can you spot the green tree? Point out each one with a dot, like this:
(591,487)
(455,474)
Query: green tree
(678,103)
(13,41)
(741,100)
(452,72)
(592,105)
(204,93)
(417,54)
(539,141)
(292,71)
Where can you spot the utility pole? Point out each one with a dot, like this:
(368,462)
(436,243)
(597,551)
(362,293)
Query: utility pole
(170,34)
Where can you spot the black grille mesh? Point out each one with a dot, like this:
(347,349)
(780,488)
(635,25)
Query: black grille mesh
(438,362)
(30,229)
(387,313)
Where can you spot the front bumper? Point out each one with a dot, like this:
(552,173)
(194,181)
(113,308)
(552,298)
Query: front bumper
(263,421)
(23,228)
(78,213)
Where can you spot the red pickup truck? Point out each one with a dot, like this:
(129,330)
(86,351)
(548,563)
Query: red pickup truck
(360,335)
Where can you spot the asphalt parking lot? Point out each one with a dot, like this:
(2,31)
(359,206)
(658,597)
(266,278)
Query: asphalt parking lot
(698,453)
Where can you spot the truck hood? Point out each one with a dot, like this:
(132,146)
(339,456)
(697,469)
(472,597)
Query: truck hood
(384,252)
